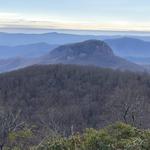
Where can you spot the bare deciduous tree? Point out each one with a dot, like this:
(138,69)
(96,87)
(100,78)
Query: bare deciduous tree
(8,123)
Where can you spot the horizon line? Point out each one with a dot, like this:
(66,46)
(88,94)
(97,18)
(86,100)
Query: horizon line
(75,29)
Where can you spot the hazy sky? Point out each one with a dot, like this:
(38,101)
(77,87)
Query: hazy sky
(76,14)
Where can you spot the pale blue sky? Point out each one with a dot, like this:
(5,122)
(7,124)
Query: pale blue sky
(76,14)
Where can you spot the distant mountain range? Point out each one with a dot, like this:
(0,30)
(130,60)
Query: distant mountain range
(29,51)
(134,50)
(91,52)
(122,46)
(21,50)
(126,47)
(13,39)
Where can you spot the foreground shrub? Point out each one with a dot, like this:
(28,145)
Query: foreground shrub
(115,137)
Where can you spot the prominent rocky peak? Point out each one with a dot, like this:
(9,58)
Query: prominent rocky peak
(83,49)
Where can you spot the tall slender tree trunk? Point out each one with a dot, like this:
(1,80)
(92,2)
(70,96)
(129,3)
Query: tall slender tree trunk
(1,146)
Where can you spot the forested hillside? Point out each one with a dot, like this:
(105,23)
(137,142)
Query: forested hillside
(66,99)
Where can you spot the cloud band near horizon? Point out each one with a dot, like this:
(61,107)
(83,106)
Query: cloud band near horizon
(14,20)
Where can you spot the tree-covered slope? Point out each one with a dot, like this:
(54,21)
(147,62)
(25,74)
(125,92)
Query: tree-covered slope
(66,99)
(76,95)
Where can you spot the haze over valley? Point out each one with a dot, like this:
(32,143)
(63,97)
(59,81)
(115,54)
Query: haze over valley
(21,50)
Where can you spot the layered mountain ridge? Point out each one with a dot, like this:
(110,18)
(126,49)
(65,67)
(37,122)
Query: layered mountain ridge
(90,52)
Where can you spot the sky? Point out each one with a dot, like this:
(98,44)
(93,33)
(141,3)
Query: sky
(114,15)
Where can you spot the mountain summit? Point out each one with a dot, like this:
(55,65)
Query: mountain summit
(91,52)
(84,49)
